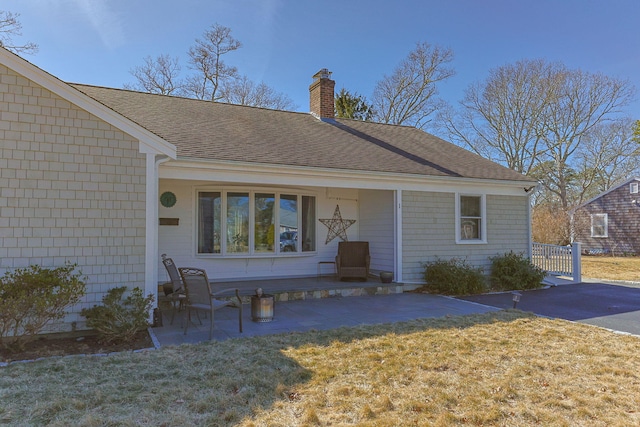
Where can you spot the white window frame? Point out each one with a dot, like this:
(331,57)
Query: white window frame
(605,217)
(633,187)
(483,220)
(251,191)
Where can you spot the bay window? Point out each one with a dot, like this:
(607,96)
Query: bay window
(209,224)
(237,222)
(255,223)
(264,223)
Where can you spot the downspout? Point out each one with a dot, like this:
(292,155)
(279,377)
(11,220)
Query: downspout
(397,202)
(530,192)
(153,161)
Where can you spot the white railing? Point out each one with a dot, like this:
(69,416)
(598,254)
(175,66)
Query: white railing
(558,260)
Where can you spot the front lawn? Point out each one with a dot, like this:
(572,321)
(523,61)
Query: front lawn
(611,268)
(501,368)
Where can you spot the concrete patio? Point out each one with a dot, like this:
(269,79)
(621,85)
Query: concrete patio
(317,314)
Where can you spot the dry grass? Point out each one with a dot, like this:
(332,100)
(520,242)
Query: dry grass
(611,268)
(498,369)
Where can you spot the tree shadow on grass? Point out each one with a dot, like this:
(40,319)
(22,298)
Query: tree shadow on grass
(212,383)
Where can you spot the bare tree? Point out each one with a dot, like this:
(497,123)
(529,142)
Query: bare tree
(501,117)
(408,96)
(534,116)
(10,27)
(205,58)
(608,155)
(243,91)
(582,101)
(160,76)
(211,80)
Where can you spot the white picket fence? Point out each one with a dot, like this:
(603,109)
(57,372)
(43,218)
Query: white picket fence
(558,260)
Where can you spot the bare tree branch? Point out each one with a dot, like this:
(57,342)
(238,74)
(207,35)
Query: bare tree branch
(243,91)
(408,96)
(535,117)
(158,76)
(206,58)
(10,27)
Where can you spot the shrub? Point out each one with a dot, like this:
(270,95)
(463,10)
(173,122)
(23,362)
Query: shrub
(453,277)
(32,297)
(512,271)
(118,320)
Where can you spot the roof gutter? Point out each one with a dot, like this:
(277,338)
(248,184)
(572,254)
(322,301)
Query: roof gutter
(234,171)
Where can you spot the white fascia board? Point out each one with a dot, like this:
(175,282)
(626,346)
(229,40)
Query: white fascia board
(269,174)
(148,141)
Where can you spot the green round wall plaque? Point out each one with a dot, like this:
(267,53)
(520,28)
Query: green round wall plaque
(168,199)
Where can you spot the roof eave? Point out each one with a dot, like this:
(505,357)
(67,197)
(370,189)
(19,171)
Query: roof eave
(149,142)
(194,168)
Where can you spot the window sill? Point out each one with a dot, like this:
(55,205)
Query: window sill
(471,242)
(258,256)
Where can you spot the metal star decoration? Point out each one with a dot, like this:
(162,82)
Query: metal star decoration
(337,226)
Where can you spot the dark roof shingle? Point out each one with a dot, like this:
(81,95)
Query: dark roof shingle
(217,131)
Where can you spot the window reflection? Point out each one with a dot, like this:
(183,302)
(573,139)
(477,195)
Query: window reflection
(264,236)
(288,223)
(237,222)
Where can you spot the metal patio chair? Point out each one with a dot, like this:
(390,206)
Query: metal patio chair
(173,290)
(201,298)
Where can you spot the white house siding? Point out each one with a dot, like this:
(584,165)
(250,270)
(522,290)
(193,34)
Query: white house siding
(179,242)
(376,212)
(429,233)
(72,188)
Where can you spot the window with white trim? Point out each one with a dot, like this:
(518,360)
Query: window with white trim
(255,223)
(470,218)
(599,225)
(633,188)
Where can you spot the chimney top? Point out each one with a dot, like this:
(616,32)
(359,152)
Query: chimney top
(322,74)
(321,95)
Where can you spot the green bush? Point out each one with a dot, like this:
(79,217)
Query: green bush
(512,271)
(32,297)
(118,320)
(453,277)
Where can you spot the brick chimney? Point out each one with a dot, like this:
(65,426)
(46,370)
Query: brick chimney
(321,97)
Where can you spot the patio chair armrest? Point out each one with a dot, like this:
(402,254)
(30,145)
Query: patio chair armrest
(168,289)
(225,291)
(238,304)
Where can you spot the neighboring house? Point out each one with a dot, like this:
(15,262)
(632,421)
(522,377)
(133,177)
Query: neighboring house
(111,179)
(610,222)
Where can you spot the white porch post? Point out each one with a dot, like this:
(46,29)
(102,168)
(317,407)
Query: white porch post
(397,199)
(151,229)
(576,254)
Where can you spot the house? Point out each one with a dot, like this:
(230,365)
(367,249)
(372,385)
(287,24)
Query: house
(610,222)
(111,179)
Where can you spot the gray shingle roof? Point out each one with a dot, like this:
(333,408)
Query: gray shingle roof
(216,131)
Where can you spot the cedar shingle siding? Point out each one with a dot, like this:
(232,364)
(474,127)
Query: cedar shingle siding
(72,188)
(622,209)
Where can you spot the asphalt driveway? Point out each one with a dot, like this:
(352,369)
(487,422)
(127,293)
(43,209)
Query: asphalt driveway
(611,306)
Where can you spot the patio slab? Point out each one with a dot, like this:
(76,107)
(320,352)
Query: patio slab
(319,314)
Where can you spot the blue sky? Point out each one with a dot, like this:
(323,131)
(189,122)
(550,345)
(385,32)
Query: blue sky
(286,41)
